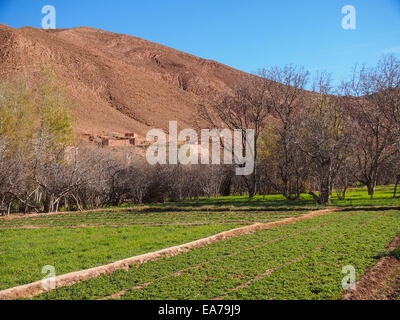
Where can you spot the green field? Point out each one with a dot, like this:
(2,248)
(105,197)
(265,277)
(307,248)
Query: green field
(75,241)
(354,197)
(130,217)
(328,243)
(303,260)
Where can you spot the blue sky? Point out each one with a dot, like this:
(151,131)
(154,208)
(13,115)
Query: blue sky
(246,35)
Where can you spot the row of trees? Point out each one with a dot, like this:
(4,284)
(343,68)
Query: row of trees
(43,169)
(35,130)
(312,141)
(315,140)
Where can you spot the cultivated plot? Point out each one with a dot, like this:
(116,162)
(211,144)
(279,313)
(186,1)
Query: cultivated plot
(76,241)
(298,261)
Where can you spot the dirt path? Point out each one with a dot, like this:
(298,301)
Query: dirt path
(36,288)
(381,281)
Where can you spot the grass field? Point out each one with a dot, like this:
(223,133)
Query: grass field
(303,260)
(306,259)
(354,197)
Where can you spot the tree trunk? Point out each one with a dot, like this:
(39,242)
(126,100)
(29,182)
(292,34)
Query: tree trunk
(286,191)
(341,194)
(252,186)
(46,204)
(395,186)
(316,198)
(371,189)
(250,182)
(325,197)
(326,184)
(225,189)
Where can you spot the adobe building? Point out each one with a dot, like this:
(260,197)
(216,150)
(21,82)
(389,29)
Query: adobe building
(113,140)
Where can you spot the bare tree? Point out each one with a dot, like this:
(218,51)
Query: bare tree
(53,173)
(97,168)
(244,107)
(13,182)
(322,135)
(343,180)
(372,100)
(287,98)
(132,183)
(211,178)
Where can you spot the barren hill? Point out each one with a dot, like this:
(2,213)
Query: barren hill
(119,83)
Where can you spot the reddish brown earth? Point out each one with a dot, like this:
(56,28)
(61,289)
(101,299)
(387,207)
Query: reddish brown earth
(118,83)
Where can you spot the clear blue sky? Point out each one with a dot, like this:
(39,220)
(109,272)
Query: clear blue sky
(246,35)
